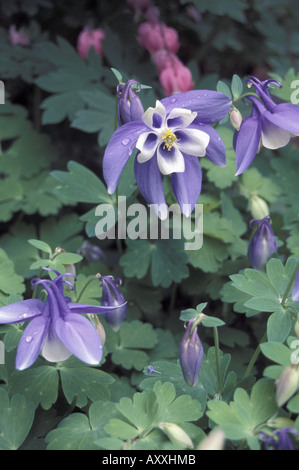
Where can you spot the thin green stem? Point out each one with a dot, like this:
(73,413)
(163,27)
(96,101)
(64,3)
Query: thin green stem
(255,356)
(85,286)
(217,355)
(244,96)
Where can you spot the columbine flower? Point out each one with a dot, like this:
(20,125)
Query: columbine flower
(129,106)
(169,138)
(262,244)
(270,125)
(279,440)
(191,354)
(56,329)
(112,297)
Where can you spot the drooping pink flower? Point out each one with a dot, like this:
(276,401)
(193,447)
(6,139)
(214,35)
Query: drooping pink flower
(154,37)
(90,38)
(176,78)
(164,59)
(18,37)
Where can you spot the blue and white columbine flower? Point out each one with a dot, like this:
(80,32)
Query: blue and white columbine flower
(270,125)
(55,328)
(169,138)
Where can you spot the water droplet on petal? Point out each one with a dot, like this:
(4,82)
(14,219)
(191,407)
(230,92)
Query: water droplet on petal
(125,141)
(28,339)
(173,100)
(23,316)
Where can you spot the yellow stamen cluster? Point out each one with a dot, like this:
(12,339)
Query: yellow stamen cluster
(169,138)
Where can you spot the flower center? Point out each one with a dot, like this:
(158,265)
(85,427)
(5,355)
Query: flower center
(169,138)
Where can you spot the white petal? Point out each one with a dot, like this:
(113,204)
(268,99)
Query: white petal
(170,161)
(54,350)
(193,142)
(179,118)
(147,144)
(273,137)
(154,118)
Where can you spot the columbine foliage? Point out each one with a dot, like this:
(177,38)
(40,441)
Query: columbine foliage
(201,341)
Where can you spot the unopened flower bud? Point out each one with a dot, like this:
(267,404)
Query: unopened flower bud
(262,244)
(287,384)
(177,435)
(111,297)
(214,441)
(191,354)
(235,118)
(258,207)
(91,252)
(129,106)
(100,330)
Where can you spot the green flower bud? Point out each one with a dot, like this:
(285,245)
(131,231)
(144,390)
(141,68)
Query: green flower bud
(177,435)
(235,118)
(258,207)
(214,441)
(287,384)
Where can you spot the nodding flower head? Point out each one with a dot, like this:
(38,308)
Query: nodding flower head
(55,327)
(191,354)
(262,244)
(112,297)
(129,106)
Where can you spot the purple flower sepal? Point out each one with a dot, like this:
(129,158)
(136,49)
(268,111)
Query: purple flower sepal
(295,292)
(262,244)
(191,354)
(169,139)
(270,125)
(129,105)
(280,439)
(55,327)
(112,297)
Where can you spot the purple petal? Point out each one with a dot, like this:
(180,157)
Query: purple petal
(31,342)
(215,151)
(95,309)
(211,106)
(21,311)
(247,142)
(286,116)
(187,186)
(295,293)
(119,150)
(149,181)
(80,337)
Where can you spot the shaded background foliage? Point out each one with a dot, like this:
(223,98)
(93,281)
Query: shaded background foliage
(58,117)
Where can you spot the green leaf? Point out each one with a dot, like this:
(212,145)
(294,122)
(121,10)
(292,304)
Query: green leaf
(240,418)
(80,184)
(236,86)
(68,258)
(279,326)
(277,352)
(81,432)
(127,346)
(211,322)
(81,382)
(222,87)
(16,418)
(166,260)
(38,384)
(40,245)
(10,282)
